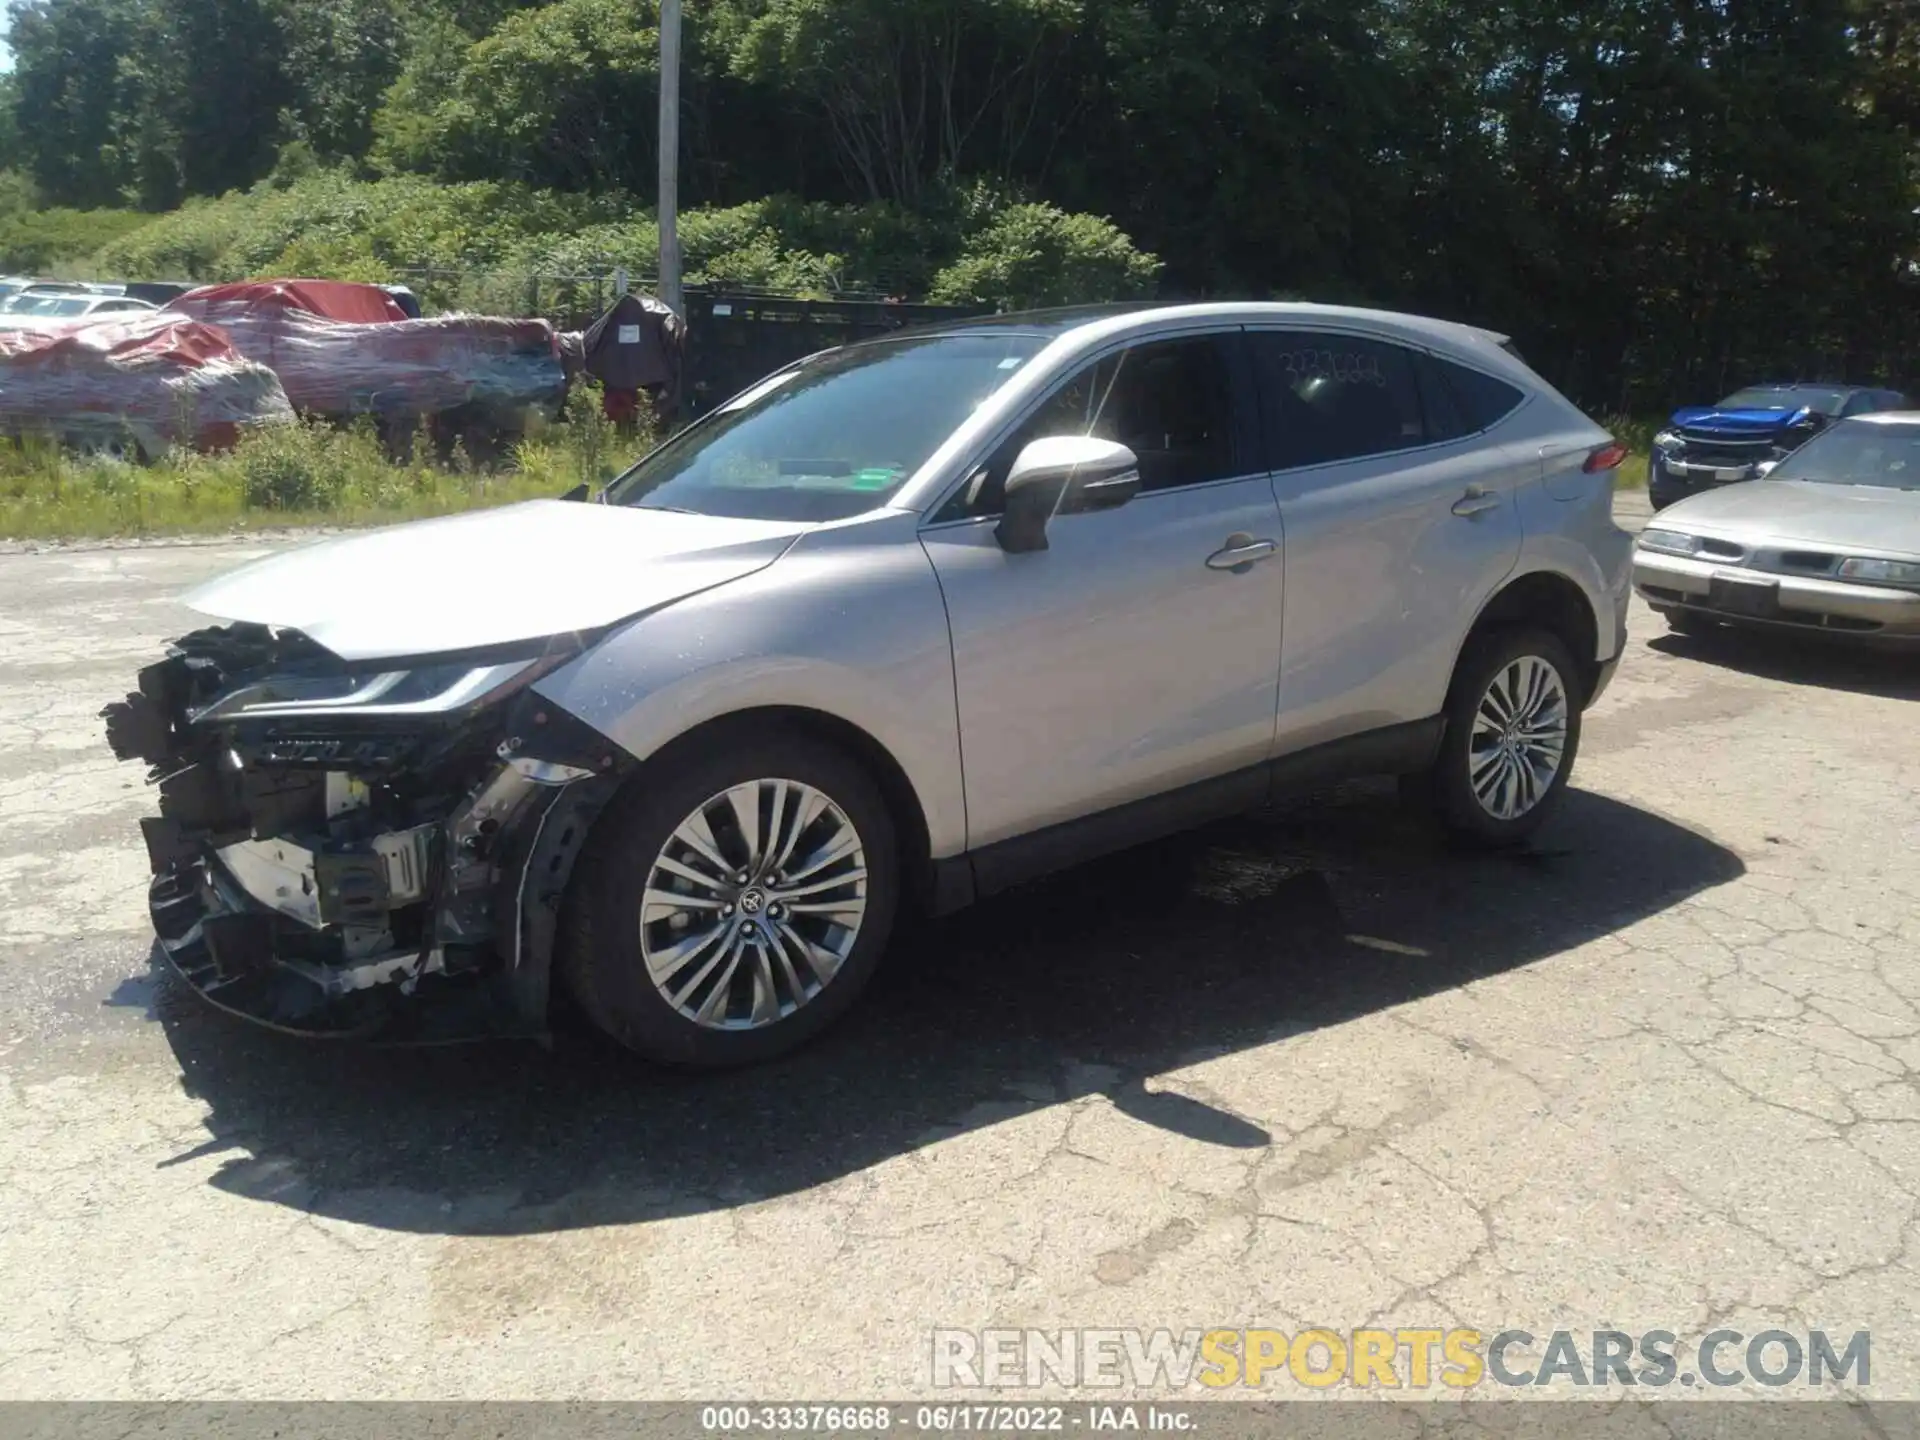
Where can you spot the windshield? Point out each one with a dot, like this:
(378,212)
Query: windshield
(1858,452)
(833,437)
(47,305)
(1825,402)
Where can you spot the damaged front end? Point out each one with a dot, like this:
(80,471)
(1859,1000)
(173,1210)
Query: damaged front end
(375,850)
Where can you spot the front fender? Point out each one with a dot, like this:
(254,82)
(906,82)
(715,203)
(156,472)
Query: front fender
(849,623)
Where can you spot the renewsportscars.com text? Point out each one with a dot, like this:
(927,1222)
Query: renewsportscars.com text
(1411,1359)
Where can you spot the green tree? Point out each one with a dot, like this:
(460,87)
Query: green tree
(912,91)
(566,94)
(342,56)
(68,95)
(9,127)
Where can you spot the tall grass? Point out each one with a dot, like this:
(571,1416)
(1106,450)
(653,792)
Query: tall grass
(304,474)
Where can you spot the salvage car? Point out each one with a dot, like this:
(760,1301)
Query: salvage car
(345,349)
(1828,543)
(133,387)
(1748,433)
(904,624)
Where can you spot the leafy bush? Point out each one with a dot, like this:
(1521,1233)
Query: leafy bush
(309,466)
(481,241)
(1037,255)
(34,241)
(400,222)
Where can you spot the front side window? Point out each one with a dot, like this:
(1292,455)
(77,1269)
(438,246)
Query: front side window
(834,437)
(1169,401)
(1328,397)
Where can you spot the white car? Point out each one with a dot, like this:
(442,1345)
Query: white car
(47,309)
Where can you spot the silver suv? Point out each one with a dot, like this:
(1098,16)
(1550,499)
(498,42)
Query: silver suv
(903,624)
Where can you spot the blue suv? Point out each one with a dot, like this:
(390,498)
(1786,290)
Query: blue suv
(1749,432)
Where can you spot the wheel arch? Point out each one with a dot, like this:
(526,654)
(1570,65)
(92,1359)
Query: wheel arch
(903,801)
(1553,602)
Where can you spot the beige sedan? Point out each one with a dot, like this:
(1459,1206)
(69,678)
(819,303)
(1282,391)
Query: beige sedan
(1828,542)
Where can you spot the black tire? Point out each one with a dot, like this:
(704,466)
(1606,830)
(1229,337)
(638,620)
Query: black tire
(1448,787)
(601,959)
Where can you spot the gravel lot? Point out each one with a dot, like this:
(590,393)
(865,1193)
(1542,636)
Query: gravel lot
(1661,1072)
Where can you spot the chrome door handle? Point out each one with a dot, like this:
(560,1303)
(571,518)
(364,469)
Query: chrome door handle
(1475,502)
(1242,552)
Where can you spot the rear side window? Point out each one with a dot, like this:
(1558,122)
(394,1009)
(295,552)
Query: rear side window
(1327,397)
(1445,419)
(1479,400)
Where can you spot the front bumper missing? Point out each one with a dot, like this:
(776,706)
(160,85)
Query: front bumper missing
(248,944)
(402,885)
(232,953)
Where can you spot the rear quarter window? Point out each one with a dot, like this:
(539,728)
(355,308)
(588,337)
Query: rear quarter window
(1480,400)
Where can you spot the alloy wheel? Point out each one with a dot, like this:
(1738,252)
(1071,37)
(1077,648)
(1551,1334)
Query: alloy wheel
(753,904)
(1519,738)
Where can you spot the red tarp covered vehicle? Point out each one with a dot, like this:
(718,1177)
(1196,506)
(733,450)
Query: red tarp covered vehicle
(344,349)
(134,387)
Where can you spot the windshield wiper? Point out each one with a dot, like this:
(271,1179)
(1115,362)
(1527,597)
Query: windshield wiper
(670,509)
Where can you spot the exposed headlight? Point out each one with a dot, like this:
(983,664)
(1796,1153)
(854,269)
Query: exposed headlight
(1897,572)
(1668,440)
(425,691)
(1669,542)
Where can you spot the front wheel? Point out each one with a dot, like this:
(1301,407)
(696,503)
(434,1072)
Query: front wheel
(1512,732)
(735,902)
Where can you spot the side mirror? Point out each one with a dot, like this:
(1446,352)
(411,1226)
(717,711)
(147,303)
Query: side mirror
(1061,475)
(578,492)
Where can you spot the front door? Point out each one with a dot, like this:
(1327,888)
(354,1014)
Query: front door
(1139,653)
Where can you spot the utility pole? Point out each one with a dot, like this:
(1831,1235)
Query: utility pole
(670,292)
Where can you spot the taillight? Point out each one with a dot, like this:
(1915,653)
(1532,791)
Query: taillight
(1609,456)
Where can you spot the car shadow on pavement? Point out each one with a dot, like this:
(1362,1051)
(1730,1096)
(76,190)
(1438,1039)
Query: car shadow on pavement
(1238,936)
(1792,660)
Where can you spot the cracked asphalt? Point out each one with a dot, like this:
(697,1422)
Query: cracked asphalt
(1309,1068)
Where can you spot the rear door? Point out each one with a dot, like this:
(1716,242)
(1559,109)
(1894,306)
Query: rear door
(1400,519)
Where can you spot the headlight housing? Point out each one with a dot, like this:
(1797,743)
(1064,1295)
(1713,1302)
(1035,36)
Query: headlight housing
(1668,440)
(1669,542)
(1893,572)
(424,691)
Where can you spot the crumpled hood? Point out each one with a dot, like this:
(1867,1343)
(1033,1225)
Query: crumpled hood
(1735,422)
(1851,519)
(491,577)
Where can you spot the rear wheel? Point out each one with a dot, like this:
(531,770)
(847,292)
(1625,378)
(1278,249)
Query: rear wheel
(120,449)
(1512,732)
(736,903)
